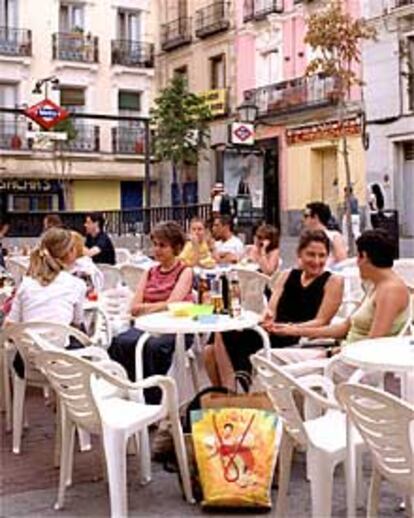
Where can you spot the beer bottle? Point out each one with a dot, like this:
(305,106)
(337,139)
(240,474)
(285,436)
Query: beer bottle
(225,292)
(235,296)
(203,294)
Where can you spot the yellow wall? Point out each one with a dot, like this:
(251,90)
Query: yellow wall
(303,172)
(96,195)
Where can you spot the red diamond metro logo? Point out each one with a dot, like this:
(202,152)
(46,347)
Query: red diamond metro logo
(243,133)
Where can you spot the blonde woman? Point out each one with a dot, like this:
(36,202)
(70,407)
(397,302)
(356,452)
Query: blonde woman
(83,266)
(198,249)
(49,293)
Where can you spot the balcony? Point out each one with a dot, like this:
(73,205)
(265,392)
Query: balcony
(259,9)
(13,135)
(15,42)
(87,139)
(176,33)
(75,46)
(131,53)
(295,95)
(212,19)
(128,141)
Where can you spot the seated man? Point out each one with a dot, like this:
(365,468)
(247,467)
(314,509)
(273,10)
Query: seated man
(228,247)
(98,244)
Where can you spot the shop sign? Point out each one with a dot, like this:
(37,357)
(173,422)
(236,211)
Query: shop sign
(242,133)
(216,100)
(323,131)
(46,113)
(26,186)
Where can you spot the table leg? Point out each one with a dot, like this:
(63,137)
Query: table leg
(350,469)
(407,388)
(139,366)
(179,366)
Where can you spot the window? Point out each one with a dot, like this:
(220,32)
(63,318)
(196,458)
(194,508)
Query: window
(129,25)
(410,72)
(71,17)
(182,71)
(72,98)
(129,102)
(8,121)
(217,72)
(27,203)
(8,13)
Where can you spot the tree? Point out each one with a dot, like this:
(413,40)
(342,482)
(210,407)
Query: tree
(180,120)
(61,158)
(336,37)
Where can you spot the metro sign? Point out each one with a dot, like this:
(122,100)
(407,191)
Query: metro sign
(242,133)
(46,113)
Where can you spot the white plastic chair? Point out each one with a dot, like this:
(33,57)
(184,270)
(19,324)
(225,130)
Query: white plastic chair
(323,437)
(112,276)
(16,268)
(386,426)
(19,338)
(100,399)
(252,286)
(116,304)
(405,269)
(131,275)
(122,256)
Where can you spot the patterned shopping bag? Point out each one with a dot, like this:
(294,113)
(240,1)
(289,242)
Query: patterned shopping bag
(236,453)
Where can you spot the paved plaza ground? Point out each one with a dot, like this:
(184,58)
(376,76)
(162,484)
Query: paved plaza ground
(28,482)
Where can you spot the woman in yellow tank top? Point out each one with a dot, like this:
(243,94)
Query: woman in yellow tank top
(384,309)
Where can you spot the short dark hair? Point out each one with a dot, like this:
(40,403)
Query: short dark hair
(53,220)
(309,236)
(96,217)
(172,233)
(266,231)
(226,220)
(320,209)
(378,246)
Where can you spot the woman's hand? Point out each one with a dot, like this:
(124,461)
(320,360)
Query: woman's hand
(285,329)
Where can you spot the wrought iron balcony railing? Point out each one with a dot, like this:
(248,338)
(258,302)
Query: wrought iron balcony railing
(128,141)
(13,135)
(212,19)
(259,9)
(75,46)
(87,139)
(176,33)
(132,53)
(15,42)
(294,95)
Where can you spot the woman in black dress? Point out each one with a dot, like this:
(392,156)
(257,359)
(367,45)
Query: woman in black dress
(307,296)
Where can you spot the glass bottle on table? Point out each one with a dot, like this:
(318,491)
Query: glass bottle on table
(203,290)
(235,296)
(216,295)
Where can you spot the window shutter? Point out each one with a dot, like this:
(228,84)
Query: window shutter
(129,101)
(72,97)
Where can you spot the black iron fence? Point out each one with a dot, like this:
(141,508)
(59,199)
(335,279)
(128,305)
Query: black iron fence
(118,222)
(132,53)
(75,46)
(212,19)
(13,135)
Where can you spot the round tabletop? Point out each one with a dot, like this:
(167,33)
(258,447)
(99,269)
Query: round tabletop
(164,323)
(395,354)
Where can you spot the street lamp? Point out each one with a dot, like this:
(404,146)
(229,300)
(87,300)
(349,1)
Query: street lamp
(247,111)
(45,81)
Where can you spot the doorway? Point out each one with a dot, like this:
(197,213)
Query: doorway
(408,191)
(271,188)
(325,180)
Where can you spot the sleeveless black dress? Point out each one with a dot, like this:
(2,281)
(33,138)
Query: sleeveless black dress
(297,303)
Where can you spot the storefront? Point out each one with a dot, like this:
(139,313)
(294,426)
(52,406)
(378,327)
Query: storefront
(28,195)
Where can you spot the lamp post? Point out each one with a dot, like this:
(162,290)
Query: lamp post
(247,111)
(45,81)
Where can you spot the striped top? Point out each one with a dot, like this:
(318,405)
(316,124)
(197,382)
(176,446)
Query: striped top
(160,284)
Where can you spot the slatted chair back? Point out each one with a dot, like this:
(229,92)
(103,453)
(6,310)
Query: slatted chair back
(252,287)
(384,422)
(131,275)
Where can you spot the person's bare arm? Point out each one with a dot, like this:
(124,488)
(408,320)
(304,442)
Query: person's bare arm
(332,299)
(270,311)
(269,263)
(389,303)
(332,331)
(91,252)
(137,301)
(226,257)
(339,248)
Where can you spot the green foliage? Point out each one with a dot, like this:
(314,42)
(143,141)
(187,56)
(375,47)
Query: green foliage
(336,37)
(67,126)
(180,119)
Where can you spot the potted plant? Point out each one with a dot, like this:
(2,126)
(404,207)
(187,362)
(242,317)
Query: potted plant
(16,142)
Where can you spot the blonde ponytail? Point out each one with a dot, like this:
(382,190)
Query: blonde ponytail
(48,259)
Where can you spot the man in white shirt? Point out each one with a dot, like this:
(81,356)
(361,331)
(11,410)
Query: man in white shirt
(228,247)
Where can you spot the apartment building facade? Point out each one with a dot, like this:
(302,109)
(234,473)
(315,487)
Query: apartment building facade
(389,99)
(100,56)
(196,39)
(297,127)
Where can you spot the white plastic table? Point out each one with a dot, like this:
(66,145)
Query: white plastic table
(164,323)
(391,354)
